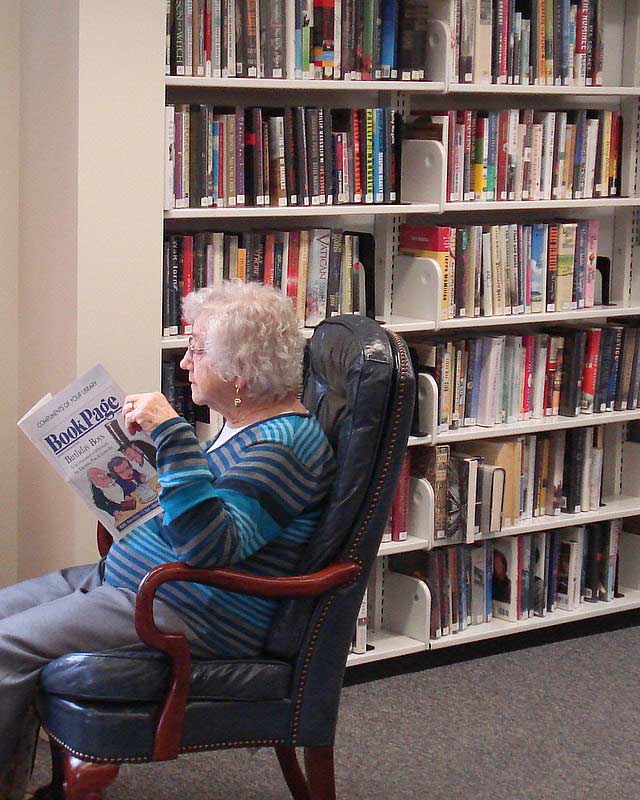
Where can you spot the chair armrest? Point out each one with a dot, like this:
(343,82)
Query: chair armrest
(175,645)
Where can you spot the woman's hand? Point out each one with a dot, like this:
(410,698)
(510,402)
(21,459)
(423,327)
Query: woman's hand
(146,411)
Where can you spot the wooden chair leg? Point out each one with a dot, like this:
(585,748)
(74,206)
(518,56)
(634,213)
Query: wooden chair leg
(293,774)
(84,780)
(320,772)
(56,788)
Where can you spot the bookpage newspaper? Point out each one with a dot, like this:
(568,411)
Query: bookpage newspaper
(81,433)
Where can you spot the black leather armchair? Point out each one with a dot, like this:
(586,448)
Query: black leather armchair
(107,708)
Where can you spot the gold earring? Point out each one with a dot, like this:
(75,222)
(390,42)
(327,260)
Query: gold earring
(237,400)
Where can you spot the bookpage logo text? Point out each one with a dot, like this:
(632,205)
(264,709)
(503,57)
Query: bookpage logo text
(86,421)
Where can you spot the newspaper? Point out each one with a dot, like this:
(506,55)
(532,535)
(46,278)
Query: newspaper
(81,433)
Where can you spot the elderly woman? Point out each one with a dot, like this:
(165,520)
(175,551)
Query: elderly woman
(251,497)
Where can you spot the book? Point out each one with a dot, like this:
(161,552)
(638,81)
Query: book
(569,566)
(360,633)
(611,536)
(80,431)
(400,505)
(317,276)
(538,576)
(461,498)
(432,463)
(491,481)
(478,581)
(506,454)
(505,578)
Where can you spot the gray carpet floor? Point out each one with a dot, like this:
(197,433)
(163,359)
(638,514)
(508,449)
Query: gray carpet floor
(555,715)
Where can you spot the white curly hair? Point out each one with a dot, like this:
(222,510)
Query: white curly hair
(252,334)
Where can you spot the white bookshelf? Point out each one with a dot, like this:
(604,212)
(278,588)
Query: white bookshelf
(408,290)
(385,645)
(417,288)
(543,425)
(416,291)
(397,324)
(498,627)
(407,608)
(470,89)
(542,205)
(580,315)
(410,543)
(301,85)
(613,507)
(303,212)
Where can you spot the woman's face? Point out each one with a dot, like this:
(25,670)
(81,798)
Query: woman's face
(207,388)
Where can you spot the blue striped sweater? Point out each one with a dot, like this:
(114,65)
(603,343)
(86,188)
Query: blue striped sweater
(254,502)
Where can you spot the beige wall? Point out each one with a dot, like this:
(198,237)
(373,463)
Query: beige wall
(91,234)
(9,181)
(48,264)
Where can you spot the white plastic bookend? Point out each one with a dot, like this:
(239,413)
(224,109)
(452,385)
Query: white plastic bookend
(407,606)
(423,172)
(417,288)
(437,56)
(421,510)
(428,405)
(629,561)
(630,468)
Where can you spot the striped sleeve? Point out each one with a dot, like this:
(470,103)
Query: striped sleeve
(211,522)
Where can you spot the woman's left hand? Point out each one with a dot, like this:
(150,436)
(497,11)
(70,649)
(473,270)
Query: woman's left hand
(146,411)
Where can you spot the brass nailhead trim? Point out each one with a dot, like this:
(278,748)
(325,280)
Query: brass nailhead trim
(187,749)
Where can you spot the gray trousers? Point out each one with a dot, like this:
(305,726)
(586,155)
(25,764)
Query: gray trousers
(41,619)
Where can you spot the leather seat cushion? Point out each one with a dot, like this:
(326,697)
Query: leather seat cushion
(125,731)
(124,676)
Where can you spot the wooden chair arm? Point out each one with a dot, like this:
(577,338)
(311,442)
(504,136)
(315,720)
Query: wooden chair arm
(175,645)
(105,540)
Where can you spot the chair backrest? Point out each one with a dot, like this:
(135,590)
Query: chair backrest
(360,384)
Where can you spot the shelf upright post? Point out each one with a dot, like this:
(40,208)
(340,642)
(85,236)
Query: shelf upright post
(627,228)
(389,229)
(385,230)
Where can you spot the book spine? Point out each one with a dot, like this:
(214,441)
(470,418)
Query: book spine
(169,161)
(290,160)
(302,160)
(369,155)
(240,156)
(240,39)
(187,278)
(400,505)
(379,149)
(322,172)
(335,268)
(313,154)
(358,159)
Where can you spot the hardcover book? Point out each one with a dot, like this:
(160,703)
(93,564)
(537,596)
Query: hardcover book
(505,578)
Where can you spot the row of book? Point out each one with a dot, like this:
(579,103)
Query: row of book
(323,271)
(305,39)
(523,154)
(177,389)
(514,578)
(509,378)
(297,156)
(501,270)
(542,42)
(486,485)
